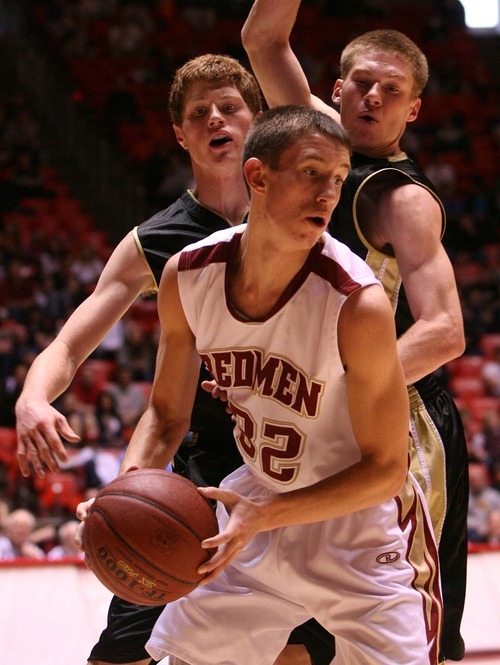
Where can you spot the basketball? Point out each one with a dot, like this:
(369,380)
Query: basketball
(142,536)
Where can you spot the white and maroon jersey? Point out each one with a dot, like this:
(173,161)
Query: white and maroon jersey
(283,375)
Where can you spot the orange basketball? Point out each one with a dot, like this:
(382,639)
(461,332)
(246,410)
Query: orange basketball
(143,533)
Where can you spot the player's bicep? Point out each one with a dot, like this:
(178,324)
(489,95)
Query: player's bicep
(378,400)
(413,227)
(178,362)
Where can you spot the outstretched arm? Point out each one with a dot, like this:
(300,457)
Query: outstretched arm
(40,426)
(266,38)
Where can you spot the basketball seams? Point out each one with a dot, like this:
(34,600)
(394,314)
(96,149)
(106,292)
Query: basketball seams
(143,536)
(163,509)
(140,556)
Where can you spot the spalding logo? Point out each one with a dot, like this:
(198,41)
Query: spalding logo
(388,557)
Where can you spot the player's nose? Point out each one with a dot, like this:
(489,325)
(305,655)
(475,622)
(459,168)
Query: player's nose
(215,117)
(374,97)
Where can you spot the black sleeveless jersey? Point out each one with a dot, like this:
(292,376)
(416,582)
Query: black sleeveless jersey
(170,230)
(387,173)
(160,237)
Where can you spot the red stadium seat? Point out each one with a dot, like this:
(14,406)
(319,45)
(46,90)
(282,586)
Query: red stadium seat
(467,386)
(59,490)
(479,406)
(466,366)
(489,343)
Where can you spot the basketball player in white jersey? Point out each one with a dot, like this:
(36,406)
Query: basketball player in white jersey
(301,335)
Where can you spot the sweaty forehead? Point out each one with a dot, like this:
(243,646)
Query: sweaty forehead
(318,147)
(203,89)
(382,63)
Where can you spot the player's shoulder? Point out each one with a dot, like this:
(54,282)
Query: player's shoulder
(347,271)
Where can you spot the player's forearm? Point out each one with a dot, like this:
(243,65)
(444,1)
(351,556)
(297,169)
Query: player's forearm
(363,485)
(154,442)
(269,21)
(50,373)
(265,37)
(428,345)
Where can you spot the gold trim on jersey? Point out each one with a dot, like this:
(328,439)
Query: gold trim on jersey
(384,266)
(154,286)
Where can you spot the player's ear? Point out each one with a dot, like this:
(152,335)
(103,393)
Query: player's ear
(414,109)
(254,171)
(337,87)
(180,137)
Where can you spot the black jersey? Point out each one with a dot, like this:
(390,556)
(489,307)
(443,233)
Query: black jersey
(344,225)
(443,433)
(170,230)
(160,237)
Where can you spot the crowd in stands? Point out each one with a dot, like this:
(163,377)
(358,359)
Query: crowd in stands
(51,253)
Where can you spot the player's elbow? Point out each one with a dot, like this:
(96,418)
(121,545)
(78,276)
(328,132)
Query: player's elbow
(454,336)
(256,39)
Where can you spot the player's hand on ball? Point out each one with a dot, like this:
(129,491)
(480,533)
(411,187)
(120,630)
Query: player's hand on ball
(82,510)
(246,520)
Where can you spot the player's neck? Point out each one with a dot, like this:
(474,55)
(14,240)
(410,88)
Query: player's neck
(260,275)
(228,197)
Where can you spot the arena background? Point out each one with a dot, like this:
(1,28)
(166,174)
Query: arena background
(87,152)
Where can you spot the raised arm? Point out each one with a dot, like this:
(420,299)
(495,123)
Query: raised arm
(40,426)
(168,416)
(266,38)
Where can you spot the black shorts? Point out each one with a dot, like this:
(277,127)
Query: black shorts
(128,629)
(453,544)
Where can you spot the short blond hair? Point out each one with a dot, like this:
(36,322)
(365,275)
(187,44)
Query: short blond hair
(213,69)
(391,41)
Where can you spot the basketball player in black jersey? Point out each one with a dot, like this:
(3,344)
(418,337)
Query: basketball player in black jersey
(390,215)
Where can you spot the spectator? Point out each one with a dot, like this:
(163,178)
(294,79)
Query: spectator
(19,525)
(86,387)
(67,546)
(10,389)
(130,399)
(491,373)
(87,267)
(81,417)
(442,174)
(490,435)
(109,422)
(493,537)
(137,352)
(483,500)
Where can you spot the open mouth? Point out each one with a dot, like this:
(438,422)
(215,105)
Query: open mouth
(220,140)
(317,221)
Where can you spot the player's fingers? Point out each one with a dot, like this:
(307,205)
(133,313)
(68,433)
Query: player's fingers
(215,390)
(67,433)
(79,536)
(82,509)
(44,446)
(31,454)
(22,458)
(209,386)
